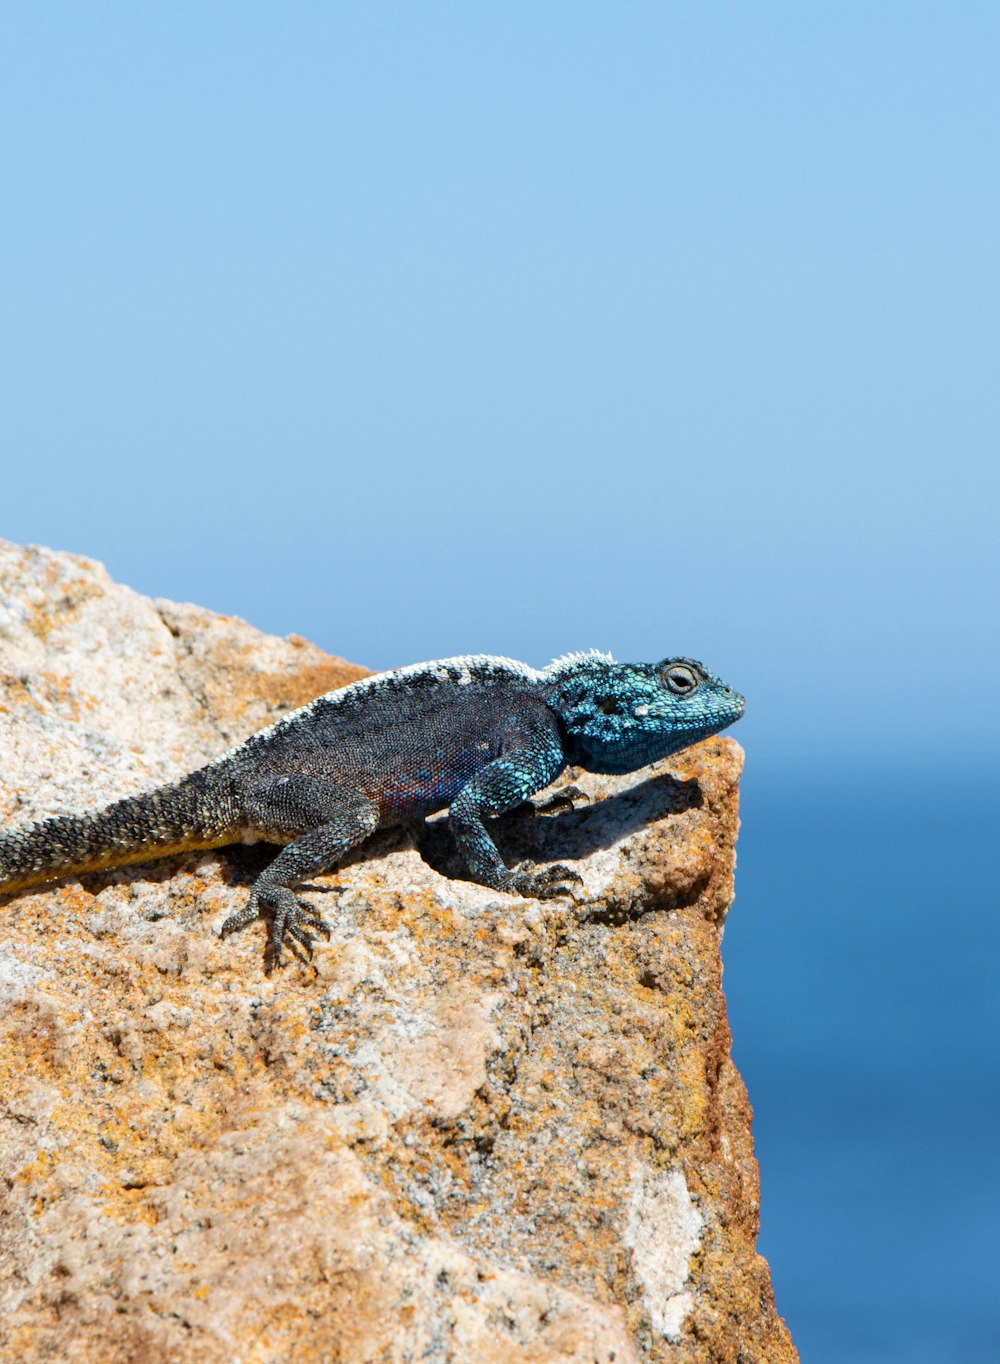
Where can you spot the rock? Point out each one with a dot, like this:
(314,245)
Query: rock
(474,1128)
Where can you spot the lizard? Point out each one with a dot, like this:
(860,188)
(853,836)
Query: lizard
(477,734)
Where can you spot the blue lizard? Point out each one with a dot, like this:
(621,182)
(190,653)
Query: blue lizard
(476,734)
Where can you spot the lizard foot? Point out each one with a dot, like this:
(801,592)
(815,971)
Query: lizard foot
(292,917)
(566,798)
(545,882)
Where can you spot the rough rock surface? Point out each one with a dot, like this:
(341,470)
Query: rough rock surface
(476,1127)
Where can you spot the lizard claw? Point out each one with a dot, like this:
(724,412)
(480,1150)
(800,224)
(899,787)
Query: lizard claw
(293,918)
(245,916)
(566,798)
(543,883)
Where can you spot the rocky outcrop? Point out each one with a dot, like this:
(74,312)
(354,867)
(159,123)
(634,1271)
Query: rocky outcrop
(475,1127)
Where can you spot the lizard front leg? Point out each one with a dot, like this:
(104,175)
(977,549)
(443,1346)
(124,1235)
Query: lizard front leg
(330,820)
(532,759)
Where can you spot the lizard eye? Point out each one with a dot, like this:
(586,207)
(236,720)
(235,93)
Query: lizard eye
(680,679)
(608,706)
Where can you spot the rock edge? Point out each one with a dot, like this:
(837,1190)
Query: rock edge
(475,1128)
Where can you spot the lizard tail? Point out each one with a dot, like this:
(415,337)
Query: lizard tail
(198,812)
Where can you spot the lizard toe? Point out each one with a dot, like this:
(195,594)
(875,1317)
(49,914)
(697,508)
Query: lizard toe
(293,920)
(544,883)
(240,919)
(566,798)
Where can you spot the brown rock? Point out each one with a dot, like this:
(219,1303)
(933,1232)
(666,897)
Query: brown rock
(474,1128)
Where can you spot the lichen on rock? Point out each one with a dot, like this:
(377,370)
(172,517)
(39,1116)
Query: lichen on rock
(475,1127)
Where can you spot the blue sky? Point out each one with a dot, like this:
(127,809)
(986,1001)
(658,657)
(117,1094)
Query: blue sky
(659,327)
(665,328)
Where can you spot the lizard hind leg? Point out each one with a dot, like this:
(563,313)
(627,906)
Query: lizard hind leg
(335,821)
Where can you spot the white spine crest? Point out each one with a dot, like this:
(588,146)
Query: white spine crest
(568,663)
(463,670)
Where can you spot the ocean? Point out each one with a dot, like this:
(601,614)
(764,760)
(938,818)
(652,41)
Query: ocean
(862,971)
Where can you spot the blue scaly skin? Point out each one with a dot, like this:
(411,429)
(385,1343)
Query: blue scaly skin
(479,735)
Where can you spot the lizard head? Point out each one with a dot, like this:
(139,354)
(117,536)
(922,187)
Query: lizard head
(618,717)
